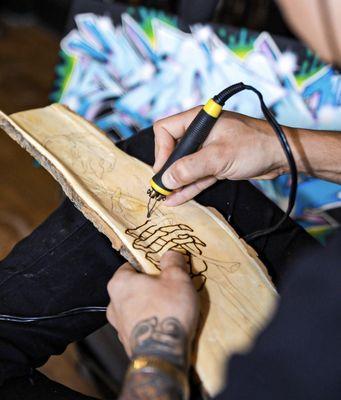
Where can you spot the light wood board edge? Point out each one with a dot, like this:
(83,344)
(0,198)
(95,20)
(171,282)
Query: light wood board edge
(17,134)
(14,131)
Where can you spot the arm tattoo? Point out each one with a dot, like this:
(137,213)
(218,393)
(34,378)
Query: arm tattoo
(166,339)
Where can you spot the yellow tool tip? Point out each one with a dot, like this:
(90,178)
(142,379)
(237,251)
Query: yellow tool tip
(159,189)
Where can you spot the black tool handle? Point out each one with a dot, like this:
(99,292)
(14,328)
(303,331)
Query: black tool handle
(194,137)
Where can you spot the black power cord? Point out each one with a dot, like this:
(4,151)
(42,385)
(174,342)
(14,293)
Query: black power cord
(63,314)
(221,98)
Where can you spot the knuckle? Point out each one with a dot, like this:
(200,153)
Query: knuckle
(181,173)
(174,272)
(157,134)
(161,125)
(158,128)
(109,313)
(157,124)
(166,146)
(110,285)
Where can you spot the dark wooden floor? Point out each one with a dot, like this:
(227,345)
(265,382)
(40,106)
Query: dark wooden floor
(28,194)
(28,55)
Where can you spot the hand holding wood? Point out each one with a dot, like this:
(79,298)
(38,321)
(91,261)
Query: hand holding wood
(135,297)
(110,188)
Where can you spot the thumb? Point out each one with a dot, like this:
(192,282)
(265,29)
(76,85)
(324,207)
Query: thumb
(193,167)
(167,131)
(173,265)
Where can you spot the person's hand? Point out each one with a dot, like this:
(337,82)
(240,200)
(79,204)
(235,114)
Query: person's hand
(238,147)
(155,315)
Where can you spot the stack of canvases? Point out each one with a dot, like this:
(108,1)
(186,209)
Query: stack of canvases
(127,76)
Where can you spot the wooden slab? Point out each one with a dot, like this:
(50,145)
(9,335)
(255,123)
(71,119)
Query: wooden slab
(109,187)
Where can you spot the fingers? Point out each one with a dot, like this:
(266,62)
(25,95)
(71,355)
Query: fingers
(172,259)
(120,277)
(167,131)
(189,169)
(110,314)
(164,145)
(173,267)
(189,192)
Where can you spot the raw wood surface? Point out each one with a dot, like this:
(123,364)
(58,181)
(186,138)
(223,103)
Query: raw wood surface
(109,187)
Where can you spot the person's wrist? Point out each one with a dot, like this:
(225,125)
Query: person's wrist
(161,368)
(160,356)
(292,135)
(165,338)
(276,160)
(179,360)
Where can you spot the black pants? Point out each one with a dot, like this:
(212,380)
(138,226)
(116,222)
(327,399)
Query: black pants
(66,263)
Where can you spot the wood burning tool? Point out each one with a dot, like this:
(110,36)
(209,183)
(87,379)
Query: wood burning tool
(197,133)
(193,138)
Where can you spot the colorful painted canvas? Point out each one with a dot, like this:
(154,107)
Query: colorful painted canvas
(124,77)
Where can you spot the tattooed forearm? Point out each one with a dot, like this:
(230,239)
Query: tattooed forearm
(166,340)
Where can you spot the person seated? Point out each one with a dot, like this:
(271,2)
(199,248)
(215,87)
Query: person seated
(66,263)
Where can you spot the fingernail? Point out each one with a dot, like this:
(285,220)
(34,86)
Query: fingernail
(168,180)
(170,201)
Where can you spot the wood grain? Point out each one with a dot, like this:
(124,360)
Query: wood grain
(109,187)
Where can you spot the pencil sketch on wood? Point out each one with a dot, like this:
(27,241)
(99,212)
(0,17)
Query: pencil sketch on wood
(109,187)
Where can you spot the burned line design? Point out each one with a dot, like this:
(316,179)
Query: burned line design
(152,240)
